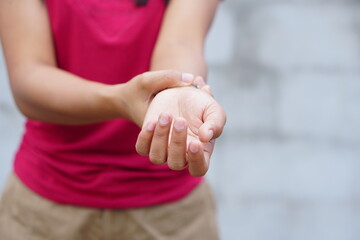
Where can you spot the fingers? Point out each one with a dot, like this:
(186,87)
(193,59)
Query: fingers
(177,147)
(160,140)
(198,161)
(214,121)
(143,142)
(155,82)
(153,140)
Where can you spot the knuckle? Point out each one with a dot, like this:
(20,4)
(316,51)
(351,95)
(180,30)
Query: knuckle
(177,141)
(198,173)
(144,137)
(142,150)
(160,133)
(218,130)
(170,75)
(156,158)
(175,165)
(144,80)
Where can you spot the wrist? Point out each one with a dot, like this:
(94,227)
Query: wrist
(112,101)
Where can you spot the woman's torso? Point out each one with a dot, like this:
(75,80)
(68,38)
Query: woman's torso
(108,41)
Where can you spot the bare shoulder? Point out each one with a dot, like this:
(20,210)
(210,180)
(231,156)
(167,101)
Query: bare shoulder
(25,34)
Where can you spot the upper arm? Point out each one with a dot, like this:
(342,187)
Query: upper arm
(26,36)
(187,21)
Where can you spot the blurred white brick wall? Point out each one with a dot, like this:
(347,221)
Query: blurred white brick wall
(11,125)
(288,164)
(288,74)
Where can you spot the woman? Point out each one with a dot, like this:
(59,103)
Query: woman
(86,74)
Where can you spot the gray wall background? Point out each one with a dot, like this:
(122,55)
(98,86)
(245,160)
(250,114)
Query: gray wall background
(288,164)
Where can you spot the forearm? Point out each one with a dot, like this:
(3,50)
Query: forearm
(181,40)
(49,94)
(179,57)
(41,90)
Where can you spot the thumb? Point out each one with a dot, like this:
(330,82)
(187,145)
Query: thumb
(214,122)
(159,80)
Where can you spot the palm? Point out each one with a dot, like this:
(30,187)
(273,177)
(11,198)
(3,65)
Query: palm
(189,103)
(191,109)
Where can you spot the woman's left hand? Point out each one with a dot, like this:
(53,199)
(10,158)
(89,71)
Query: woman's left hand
(180,129)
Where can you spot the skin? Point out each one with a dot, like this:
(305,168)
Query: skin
(197,121)
(64,98)
(182,48)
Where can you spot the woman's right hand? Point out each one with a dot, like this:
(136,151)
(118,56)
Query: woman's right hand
(135,96)
(46,93)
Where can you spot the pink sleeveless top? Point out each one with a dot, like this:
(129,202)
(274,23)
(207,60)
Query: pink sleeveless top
(96,165)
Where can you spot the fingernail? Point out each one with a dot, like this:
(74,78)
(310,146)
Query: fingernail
(164,120)
(151,126)
(179,125)
(194,148)
(211,133)
(187,77)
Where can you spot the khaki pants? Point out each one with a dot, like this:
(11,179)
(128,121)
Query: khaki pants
(25,215)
